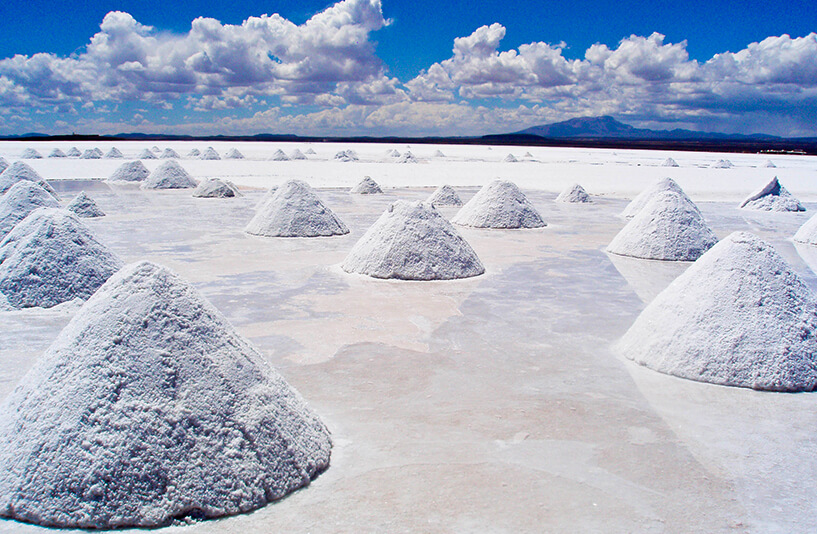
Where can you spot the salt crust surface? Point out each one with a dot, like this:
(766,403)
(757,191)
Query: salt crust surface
(294,210)
(30,153)
(210,153)
(149,406)
(168,175)
(23,198)
(412,241)
(445,195)
(132,171)
(739,316)
(114,153)
(146,154)
(500,204)
(215,188)
(641,200)
(84,206)
(367,186)
(772,197)
(169,153)
(52,257)
(669,227)
(17,171)
(574,194)
(233,153)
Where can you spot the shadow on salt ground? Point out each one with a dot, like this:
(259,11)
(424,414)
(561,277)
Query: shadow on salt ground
(647,277)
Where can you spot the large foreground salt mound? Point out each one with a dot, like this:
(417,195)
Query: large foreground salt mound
(739,316)
(148,407)
(445,195)
(500,204)
(669,227)
(412,241)
(52,257)
(772,197)
(17,172)
(640,200)
(84,206)
(23,198)
(295,211)
(132,171)
(169,175)
(574,194)
(216,188)
(367,186)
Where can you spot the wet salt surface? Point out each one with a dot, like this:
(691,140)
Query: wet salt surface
(486,404)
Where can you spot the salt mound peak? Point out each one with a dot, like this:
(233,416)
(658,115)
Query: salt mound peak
(31,153)
(216,188)
(669,162)
(659,186)
(723,164)
(297,154)
(445,195)
(210,153)
(309,151)
(367,186)
(21,199)
(169,175)
(73,152)
(155,148)
(574,194)
(3,164)
(131,171)
(194,153)
(739,316)
(51,257)
(294,210)
(146,154)
(510,158)
(500,204)
(438,154)
(150,407)
(669,227)
(233,153)
(114,153)
(57,153)
(346,155)
(16,172)
(407,157)
(412,241)
(770,164)
(279,155)
(91,153)
(169,153)
(772,197)
(84,206)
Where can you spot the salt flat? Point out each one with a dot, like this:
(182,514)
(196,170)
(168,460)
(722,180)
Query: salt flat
(489,404)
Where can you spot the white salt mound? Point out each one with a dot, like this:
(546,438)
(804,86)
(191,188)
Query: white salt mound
(770,164)
(169,153)
(215,188)
(84,206)
(51,257)
(445,195)
(91,153)
(635,205)
(500,204)
(669,227)
(57,153)
(155,148)
(669,162)
(723,164)
(194,153)
(527,155)
(210,153)
(3,164)
(510,158)
(132,171)
(412,241)
(309,151)
(267,195)
(16,172)
(739,316)
(808,232)
(346,155)
(149,407)
(146,154)
(279,155)
(73,152)
(45,185)
(367,186)
(297,154)
(114,153)
(169,175)
(407,157)
(233,153)
(393,153)
(575,194)
(23,198)
(438,154)
(295,211)
(30,153)
(772,197)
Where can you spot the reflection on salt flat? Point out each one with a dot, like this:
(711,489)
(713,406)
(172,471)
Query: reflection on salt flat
(647,277)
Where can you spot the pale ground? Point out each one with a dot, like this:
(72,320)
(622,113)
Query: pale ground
(492,404)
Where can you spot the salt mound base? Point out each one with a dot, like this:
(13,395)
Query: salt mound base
(445,195)
(808,232)
(57,153)
(52,257)
(407,157)
(739,316)
(412,241)
(30,153)
(723,164)
(297,154)
(16,172)
(169,175)
(574,194)
(215,188)
(295,211)
(279,155)
(92,153)
(669,227)
(194,153)
(146,154)
(346,155)
(772,197)
(210,153)
(500,204)
(23,198)
(114,153)
(367,186)
(664,184)
(3,164)
(669,162)
(150,407)
(770,164)
(233,153)
(73,152)
(169,153)
(132,171)
(84,206)
(510,158)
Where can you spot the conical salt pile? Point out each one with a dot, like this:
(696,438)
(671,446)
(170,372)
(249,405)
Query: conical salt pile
(91,153)
(412,241)
(23,198)
(57,153)
(407,157)
(772,197)
(808,232)
(739,316)
(669,162)
(770,164)
(45,185)
(84,206)
(132,171)
(575,194)
(51,257)
(148,408)
(510,158)
(30,153)
(527,155)
(169,175)
(500,204)
(233,153)
(393,153)
(310,151)
(215,188)
(73,152)
(210,153)
(194,153)
(169,153)
(367,186)
(445,195)
(635,205)
(16,172)
(3,164)
(279,155)
(438,154)
(267,195)
(723,164)
(114,153)
(146,154)
(669,227)
(295,211)
(297,154)
(155,148)
(346,155)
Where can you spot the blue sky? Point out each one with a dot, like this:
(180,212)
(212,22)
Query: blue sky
(413,68)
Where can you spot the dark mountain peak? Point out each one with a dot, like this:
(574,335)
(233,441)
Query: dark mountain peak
(604,126)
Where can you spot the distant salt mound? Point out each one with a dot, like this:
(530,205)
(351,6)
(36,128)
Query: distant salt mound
(114,153)
(146,154)
(73,152)
(149,407)
(210,153)
(723,164)
(739,316)
(393,153)
(132,171)
(155,148)
(669,162)
(92,153)
(575,194)
(30,153)
(669,228)
(527,155)
(770,164)
(445,195)
(808,232)
(438,154)
(24,197)
(51,257)
(309,151)
(84,206)
(169,153)
(297,155)
(510,158)
(57,153)
(412,241)
(295,211)
(169,175)
(233,153)
(500,204)
(772,197)
(194,153)
(407,157)
(367,186)
(3,164)
(279,155)
(635,205)
(216,188)
(346,155)
(17,172)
